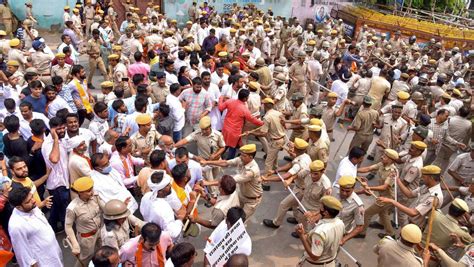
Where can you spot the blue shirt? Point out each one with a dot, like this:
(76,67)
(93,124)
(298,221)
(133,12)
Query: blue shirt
(39,104)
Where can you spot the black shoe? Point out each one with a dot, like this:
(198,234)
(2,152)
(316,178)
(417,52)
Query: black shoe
(266,187)
(295,235)
(292,220)
(382,235)
(269,223)
(90,86)
(360,236)
(290,209)
(287,158)
(265,156)
(369,157)
(370,176)
(376,225)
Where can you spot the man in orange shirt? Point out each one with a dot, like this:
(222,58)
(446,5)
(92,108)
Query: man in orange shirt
(221,46)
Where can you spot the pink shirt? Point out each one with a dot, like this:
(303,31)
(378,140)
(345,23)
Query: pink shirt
(117,164)
(128,250)
(138,68)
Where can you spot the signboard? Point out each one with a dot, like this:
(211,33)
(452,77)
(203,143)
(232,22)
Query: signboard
(218,254)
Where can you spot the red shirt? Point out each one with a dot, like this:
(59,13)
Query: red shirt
(237,114)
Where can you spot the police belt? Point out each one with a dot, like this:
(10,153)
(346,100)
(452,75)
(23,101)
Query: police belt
(86,235)
(318,263)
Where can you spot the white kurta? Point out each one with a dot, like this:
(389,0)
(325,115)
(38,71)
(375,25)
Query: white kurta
(33,239)
(159,211)
(111,187)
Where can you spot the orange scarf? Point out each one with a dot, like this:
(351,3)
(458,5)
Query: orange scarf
(125,166)
(86,158)
(139,255)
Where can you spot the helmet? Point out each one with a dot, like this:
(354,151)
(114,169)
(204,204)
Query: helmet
(280,77)
(278,69)
(325,44)
(115,209)
(136,34)
(282,61)
(260,61)
(417,96)
(317,55)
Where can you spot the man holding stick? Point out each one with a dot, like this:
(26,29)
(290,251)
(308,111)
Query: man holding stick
(248,177)
(296,171)
(322,243)
(387,173)
(425,194)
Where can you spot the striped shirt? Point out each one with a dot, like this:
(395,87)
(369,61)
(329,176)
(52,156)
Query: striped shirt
(196,104)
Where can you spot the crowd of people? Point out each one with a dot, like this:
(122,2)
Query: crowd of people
(182,113)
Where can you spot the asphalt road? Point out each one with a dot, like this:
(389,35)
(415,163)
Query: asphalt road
(272,247)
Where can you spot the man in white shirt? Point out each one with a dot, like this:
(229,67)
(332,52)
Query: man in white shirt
(99,124)
(182,156)
(108,183)
(156,208)
(340,87)
(54,151)
(72,123)
(55,102)
(176,111)
(348,165)
(27,115)
(32,237)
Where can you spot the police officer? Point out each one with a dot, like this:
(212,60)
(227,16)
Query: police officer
(296,171)
(210,145)
(410,173)
(400,252)
(299,112)
(95,60)
(117,224)
(318,149)
(85,212)
(316,185)
(352,213)
(248,177)
(387,173)
(425,195)
(322,243)
(275,132)
(363,125)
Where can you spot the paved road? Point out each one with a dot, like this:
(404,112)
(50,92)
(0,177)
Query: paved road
(274,247)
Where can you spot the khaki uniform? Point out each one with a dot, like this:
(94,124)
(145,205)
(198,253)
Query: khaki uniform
(208,145)
(313,192)
(300,113)
(21,78)
(319,150)
(89,17)
(393,253)
(411,175)
(424,203)
(299,72)
(7,18)
(264,76)
(250,186)
(41,61)
(443,225)
(387,175)
(15,54)
(158,93)
(93,50)
(378,89)
(352,213)
(300,168)
(119,72)
(62,72)
(364,121)
(324,240)
(329,117)
(389,126)
(140,142)
(87,218)
(120,234)
(223,204)
(275,136)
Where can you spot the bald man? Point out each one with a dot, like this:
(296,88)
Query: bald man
(240,260)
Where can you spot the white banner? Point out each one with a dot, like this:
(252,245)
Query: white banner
(218,254)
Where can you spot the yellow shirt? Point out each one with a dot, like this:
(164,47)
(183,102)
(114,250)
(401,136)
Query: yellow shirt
(27,182)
